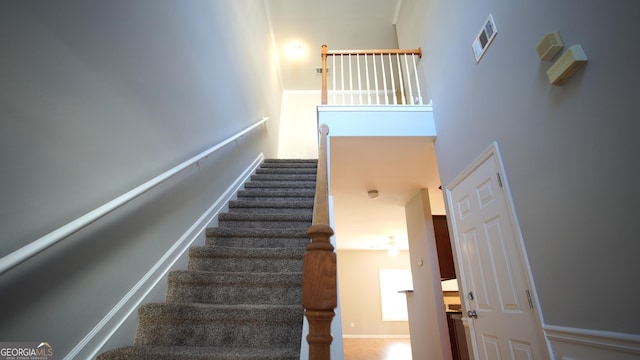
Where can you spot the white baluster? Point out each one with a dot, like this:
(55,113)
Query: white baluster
(393,82)
(333,58)
(402,98)
(350,80)
(366,69)
(384,80)
(406,66)
(342,76)
(415,71)
(359,80)
(375,79)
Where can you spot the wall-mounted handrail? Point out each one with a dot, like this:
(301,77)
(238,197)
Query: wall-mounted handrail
(30,250)
(385,61)
(319,285)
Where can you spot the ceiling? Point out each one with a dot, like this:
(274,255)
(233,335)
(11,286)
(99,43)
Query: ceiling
(395,166)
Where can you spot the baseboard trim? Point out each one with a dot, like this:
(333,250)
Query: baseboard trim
(346,336)
(606,340)
(93,342)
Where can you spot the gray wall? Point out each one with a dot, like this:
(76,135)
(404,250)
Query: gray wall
(97,97)
(569,152)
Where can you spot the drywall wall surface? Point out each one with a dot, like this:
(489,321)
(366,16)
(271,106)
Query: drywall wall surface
(96,99)
(299,125)
(568,150)
(427,317)
(357,120)
(360,301)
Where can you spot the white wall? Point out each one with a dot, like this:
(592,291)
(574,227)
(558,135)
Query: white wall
(95,99)
(568,151)
(299,125)
(427,319)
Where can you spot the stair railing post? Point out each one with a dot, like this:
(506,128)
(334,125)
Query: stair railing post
(319,285)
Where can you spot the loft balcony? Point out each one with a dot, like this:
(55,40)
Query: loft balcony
(373,93)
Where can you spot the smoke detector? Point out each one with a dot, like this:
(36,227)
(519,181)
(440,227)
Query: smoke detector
(373,194)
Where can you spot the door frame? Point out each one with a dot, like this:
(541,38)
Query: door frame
(491,152)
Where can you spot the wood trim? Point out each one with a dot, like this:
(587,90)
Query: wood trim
(417,51)
(578,340)
(443,245)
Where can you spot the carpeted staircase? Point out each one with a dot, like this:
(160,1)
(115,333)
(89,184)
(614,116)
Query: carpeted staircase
(242,293)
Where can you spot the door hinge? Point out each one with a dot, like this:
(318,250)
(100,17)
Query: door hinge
(499,179)
(529,298)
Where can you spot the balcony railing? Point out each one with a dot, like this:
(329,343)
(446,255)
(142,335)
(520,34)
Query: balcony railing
(371,77)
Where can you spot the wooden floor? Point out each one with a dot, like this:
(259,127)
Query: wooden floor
(377,349)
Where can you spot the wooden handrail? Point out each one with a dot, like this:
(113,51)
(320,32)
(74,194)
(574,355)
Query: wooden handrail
(417,51)
(319,285)
(325,53)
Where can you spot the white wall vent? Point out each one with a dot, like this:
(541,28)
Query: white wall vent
(484,38)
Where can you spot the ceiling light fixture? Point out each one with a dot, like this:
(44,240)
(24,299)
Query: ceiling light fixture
(295,50)
(393,250)
(373,194)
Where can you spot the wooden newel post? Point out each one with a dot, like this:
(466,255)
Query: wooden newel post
(319,285)
(319,294)
(324,75)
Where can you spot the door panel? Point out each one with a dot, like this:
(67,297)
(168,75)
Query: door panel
(502,273)
(491,266)
(475,277)
(521,351)
(491,348)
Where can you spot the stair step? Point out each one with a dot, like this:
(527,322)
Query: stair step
(252,326)
(258,233)
(285,194)
(234,288)
(259,242)
(257,238)
(287,171)
(233,259)
(265,221)
(271,207)
(278,185)
(283,177)
(159,352)
(290,161)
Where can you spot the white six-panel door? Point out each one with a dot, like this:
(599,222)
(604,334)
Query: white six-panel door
(493,270)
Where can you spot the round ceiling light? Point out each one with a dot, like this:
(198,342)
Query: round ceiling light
(295,50)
